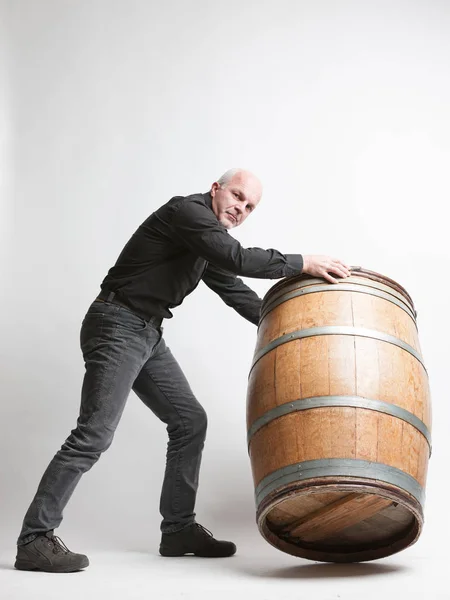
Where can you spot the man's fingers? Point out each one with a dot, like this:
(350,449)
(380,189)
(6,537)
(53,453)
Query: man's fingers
(331,270)
(337,270)
(340,262)
(342,267)
(342,272)
(326,267)
(329,277)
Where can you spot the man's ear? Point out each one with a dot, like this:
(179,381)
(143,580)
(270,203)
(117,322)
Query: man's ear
(215,186)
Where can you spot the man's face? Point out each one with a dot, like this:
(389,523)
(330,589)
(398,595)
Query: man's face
(233,203)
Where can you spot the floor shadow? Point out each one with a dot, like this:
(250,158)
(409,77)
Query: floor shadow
(323,571)
(10,567)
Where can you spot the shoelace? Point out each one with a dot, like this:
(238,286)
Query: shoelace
(204,529)
(59,545)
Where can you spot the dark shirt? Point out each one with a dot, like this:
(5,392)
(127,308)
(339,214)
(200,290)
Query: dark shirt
(180,244)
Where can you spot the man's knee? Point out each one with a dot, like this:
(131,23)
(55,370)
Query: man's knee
(200,424)
(191,426)
(87,444)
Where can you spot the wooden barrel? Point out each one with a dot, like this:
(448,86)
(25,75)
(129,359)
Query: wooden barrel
(338,418)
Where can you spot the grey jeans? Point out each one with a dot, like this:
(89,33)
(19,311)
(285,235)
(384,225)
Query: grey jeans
(123,352)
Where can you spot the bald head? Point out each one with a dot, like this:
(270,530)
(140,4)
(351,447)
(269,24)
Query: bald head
(234,196)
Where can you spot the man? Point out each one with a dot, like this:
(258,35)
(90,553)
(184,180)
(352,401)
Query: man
(183,242)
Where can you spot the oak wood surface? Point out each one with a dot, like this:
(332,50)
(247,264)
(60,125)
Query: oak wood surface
(340,365)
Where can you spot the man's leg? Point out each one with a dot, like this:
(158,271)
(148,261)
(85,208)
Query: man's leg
(115,343)
(162,386)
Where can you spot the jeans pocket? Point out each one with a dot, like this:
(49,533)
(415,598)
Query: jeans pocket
(129,321)
(91,332)
(93,317)
(97,311)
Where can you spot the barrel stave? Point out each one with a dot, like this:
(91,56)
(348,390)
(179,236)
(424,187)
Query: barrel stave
(357,405)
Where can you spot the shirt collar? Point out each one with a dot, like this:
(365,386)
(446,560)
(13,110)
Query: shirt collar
(208,199)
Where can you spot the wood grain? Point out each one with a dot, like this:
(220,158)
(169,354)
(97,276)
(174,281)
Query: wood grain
(340,365)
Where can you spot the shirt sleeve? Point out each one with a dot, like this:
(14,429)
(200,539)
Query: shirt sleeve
(234,292)
(196,226)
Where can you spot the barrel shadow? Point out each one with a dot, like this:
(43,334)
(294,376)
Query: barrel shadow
(326,571)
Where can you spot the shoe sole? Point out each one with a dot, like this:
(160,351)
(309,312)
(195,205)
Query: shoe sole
(24,565)
(175,554)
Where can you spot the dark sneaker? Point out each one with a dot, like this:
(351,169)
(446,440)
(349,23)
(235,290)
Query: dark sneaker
(48,553)
(197,540)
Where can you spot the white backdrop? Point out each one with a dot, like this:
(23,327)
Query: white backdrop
(110,107)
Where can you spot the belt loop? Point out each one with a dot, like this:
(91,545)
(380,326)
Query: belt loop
(110,296)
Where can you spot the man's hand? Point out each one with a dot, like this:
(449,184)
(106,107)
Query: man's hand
(324,266)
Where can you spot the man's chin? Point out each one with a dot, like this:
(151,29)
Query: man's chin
(227,223)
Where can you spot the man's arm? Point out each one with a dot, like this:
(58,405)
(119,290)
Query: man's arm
(196,226)
(233,292)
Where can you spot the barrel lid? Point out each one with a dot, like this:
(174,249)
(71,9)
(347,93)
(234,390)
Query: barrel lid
(355,271)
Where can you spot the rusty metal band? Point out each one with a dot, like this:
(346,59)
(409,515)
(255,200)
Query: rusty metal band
(346,401)
(335,468)
(337,330)
(336,288)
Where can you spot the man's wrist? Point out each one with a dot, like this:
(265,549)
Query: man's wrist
(305,264)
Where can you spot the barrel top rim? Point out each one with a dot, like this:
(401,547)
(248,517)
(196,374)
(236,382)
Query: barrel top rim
(355,271)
